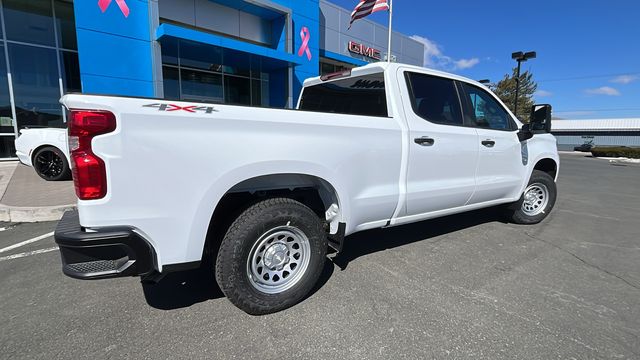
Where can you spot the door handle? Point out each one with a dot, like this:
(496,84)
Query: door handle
(424,141)
(489,143)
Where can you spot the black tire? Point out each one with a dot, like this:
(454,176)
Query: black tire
(51,164)
(255,226)
(530,214)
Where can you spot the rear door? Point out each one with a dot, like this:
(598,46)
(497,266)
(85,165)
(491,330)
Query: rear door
(500,168)
(443,152)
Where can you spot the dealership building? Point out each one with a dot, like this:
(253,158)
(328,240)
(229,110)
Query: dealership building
(596,132)
(247,52)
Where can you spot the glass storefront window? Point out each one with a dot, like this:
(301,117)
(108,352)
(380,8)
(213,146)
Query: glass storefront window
(171,83)
(264,93)
(199,85)
(29,21)
(35,85)
(6,116)
(70,72)
(256,67)
(238,64)
(198,56)
(7,146)
(256,93)
(237,90)
(259,93)
(65,24)
(194,71)
(170,51)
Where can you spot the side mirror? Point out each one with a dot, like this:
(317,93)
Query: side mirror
(540,119)
(525,133)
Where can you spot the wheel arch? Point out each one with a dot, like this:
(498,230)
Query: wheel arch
(547,162)
(313,191)
(310,188)
(547,165)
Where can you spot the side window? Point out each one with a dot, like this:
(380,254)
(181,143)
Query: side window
(360,95)
(435,99)
(482,110)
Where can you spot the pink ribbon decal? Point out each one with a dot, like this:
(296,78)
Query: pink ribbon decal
(305,34)
(104,4)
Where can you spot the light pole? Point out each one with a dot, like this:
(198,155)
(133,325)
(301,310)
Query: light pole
(520,57)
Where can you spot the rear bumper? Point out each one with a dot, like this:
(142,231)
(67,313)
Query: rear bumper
(106,253)
(24,158)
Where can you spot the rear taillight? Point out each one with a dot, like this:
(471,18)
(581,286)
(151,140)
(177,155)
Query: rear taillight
(89,171)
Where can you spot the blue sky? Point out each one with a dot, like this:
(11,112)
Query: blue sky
(588,63)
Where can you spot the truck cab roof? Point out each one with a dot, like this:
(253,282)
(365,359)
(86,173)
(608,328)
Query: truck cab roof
(385,66)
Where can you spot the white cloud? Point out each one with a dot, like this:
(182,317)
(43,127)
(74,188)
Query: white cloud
(435,58)
(466,63)
(543,93)
(625,79)
(604,90)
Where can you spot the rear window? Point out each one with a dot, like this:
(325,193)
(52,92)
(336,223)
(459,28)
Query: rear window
(360,95)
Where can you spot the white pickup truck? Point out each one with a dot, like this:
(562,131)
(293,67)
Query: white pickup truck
(263,193)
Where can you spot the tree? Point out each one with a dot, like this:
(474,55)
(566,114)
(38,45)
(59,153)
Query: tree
(506,91)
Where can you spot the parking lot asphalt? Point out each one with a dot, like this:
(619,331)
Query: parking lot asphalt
(464,286)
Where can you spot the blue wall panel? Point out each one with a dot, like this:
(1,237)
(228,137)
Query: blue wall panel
(89,16)
(129,58)
(115,50)
(113,86)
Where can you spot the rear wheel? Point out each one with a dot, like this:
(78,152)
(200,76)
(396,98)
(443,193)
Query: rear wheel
(51,164)
(536,202)
(271,256)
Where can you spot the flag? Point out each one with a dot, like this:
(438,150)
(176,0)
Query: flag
(366,8)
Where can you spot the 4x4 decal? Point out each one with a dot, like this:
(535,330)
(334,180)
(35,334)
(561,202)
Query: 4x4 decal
(189,108)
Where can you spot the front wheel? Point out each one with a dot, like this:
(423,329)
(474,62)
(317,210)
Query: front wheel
(271,256)
(536,202)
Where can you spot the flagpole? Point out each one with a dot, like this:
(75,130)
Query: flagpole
(390,31)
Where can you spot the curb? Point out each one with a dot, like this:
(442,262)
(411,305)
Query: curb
(33,214)
(623,162)
(620,161)
(567,152)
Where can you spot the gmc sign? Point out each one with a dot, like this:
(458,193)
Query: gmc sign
(364,50)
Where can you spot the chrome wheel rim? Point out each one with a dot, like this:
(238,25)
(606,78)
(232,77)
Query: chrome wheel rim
(49,164)
(278,260)
(536,198)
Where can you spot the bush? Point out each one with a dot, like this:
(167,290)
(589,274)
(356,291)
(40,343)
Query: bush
(619,151)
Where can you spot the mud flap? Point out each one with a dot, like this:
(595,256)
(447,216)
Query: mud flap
(336,241)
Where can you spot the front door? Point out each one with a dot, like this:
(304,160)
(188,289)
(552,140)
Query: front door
(500,168)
